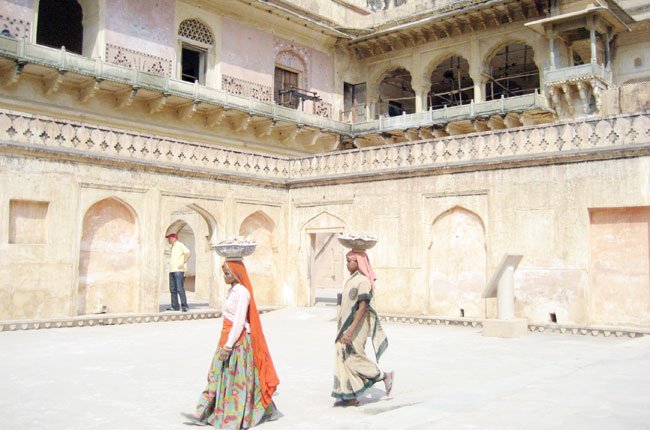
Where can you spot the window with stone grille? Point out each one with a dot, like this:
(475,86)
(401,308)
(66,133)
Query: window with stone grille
(195,30)
(196,38)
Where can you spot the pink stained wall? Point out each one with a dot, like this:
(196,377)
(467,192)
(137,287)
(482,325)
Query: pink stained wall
(246,53)
(146,26)
(16,16)
(322,79)
(620,266)
(249,54)
(108,259)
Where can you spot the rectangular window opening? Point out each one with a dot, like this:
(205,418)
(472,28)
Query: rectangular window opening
(193,64)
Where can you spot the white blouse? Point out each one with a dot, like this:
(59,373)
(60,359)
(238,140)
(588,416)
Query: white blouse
(235,309)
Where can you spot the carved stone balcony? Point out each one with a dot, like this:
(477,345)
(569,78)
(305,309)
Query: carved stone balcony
(448,114)
(58,69)
(583,85)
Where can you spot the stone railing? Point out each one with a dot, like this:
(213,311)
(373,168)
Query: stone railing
(498,148)
(244,88)
(578,73)
(580,139)
(24,52)
(75,139)
(447,114)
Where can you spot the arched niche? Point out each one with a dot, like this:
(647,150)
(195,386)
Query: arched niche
(198,230)
(109,271)
(322,258)
(396,94)
(186,235)
(262,266)
(451,84)
(512,71)
(457,264)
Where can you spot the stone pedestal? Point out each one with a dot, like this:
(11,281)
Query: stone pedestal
(505,328)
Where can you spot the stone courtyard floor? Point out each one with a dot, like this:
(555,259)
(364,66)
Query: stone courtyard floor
(142,376)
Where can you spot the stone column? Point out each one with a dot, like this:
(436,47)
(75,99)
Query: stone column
(592,39)
(421,92)
(478,75)
(477,71)
(552,50)
(608,49)
(372,99)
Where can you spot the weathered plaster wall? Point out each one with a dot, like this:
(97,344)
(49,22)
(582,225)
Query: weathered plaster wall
(250,54)
(145,27)
(620,266)
(542,213)
(246,52)
(45,278)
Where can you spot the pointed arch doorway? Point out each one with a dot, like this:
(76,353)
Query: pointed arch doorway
(324,258)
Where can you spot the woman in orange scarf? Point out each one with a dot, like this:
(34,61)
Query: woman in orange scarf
(242,378)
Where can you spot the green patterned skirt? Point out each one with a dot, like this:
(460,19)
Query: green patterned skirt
(232,399)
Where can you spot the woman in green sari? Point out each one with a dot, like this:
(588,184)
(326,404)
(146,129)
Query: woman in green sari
(354,372)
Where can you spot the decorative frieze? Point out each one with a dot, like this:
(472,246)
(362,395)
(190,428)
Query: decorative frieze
(19,28)
(68,137)
(487,150)
(323,109)
(139,60)
(513,146)
(244,88)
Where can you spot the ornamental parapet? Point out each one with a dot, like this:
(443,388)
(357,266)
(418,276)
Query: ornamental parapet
(588,139)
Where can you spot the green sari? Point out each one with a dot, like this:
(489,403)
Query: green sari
(354,372)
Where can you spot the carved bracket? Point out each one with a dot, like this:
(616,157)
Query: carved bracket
(52,82)
(125,98)
(89,90)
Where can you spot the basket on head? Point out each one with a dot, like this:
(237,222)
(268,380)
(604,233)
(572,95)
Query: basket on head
(360,241)
(235,248)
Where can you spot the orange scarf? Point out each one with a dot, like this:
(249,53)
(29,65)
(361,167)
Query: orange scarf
(261,356)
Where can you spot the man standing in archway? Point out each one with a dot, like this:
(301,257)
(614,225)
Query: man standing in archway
(177,267)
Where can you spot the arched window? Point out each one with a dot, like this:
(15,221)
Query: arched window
(513,72)
(60,24)
(196,38)
(451,84)
(290,72)
(396,95)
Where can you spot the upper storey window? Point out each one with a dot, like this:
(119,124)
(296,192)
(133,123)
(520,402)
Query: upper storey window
(285,81)
(195,38)
(60,24)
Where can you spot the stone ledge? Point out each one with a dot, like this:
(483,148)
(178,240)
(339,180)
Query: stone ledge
(113,319)
(605,331)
